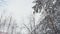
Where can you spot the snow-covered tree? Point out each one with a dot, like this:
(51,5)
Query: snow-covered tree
(8,25)
(50,11)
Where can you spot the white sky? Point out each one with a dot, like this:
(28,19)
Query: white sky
(19,9)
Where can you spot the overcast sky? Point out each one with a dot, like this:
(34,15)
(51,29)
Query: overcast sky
(19,9)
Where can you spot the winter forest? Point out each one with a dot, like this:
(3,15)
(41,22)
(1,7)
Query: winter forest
(29,16)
